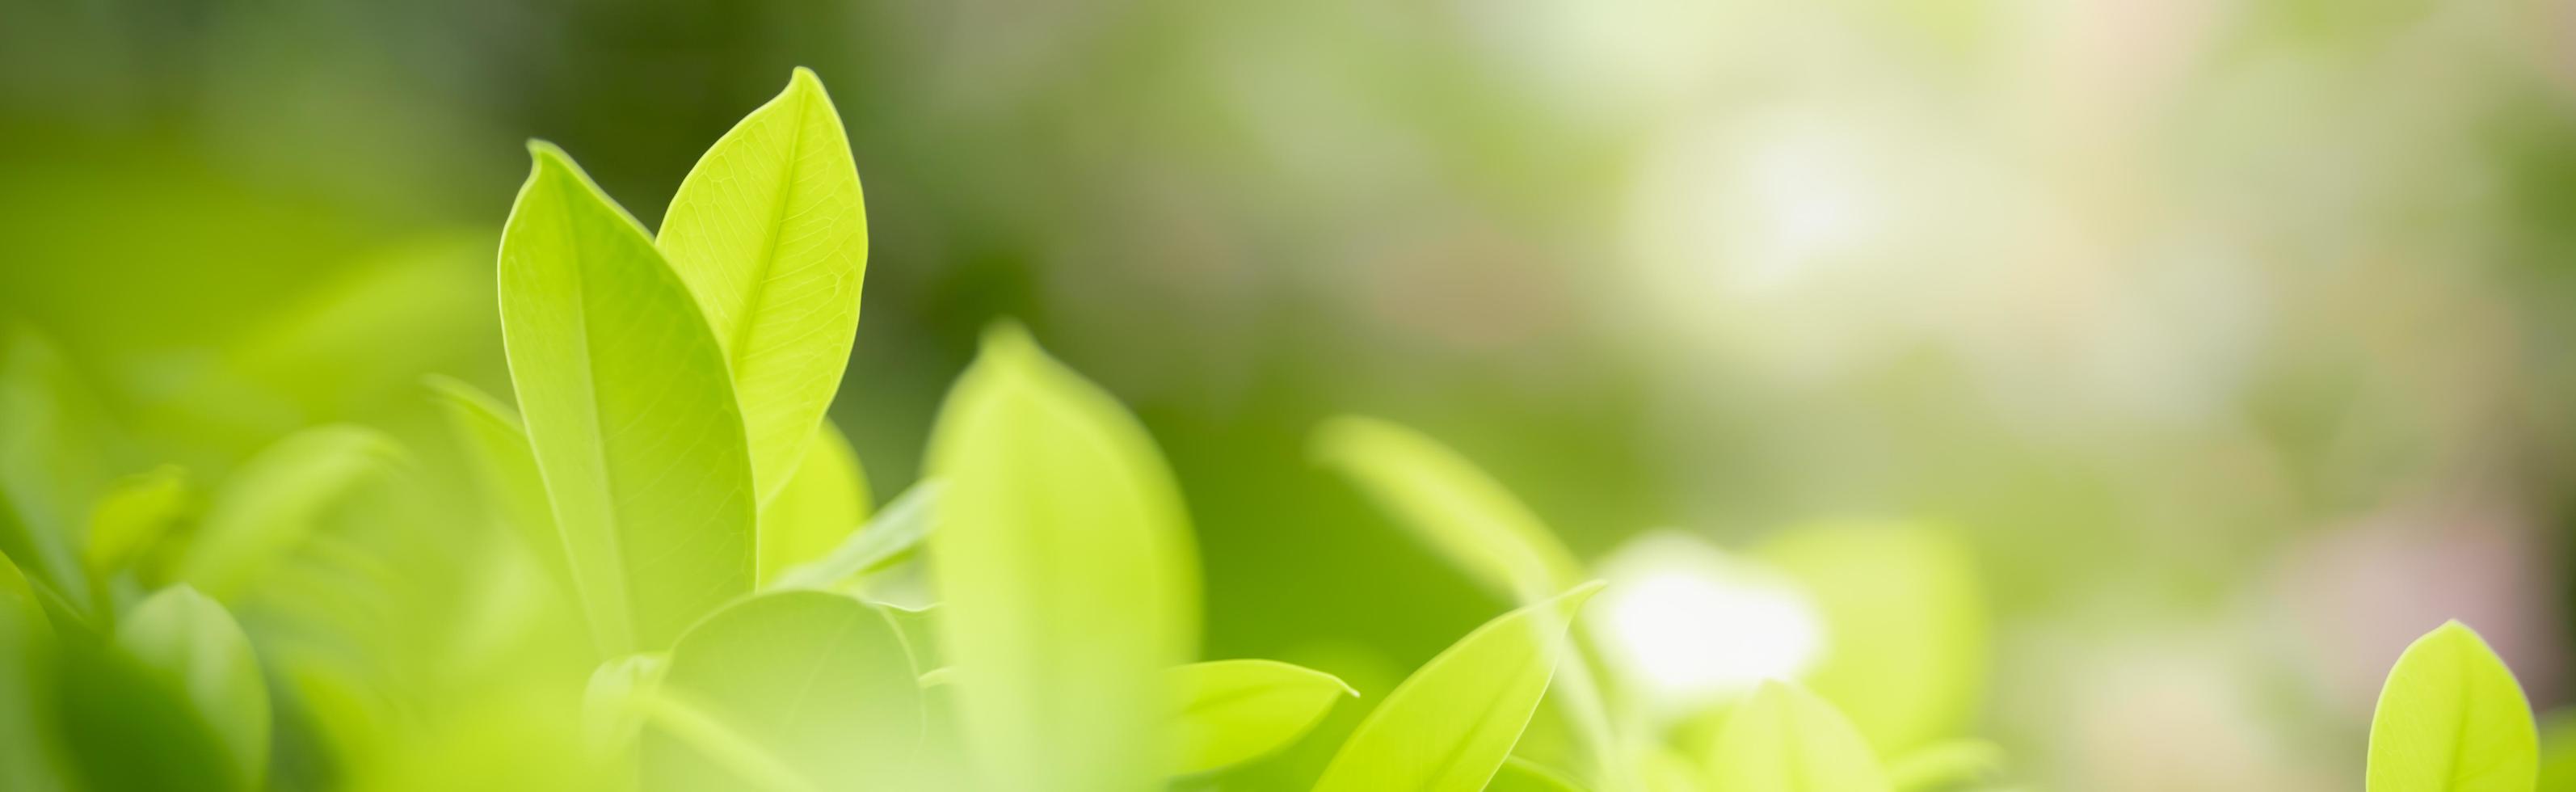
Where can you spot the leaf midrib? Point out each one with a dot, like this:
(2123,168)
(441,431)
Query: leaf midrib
(767,262)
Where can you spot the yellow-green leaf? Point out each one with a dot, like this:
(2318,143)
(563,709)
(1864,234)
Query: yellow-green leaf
(630,410)
(819,681)
(823,503)
(888,535)
(1449,727)
(1233,711)
(1450,505)
(135,515)
(272,504)
(192,641)
(52,460)
(1066,576)
(770,234)
(496,447)
(1948,765)
(1785,739)
(1906,658)
(2452,719)
(1522,775)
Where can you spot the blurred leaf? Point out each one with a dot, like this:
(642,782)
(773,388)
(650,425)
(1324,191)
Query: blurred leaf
(888,535)
(629,409)
(1522,775)
(1451,725)
(1906,661)
(1451,506)
(819,680)
(1785,739)
(2558,752)
(193,643)
(1066,576)
(610,713)
(2452,719)
(270,507)
(920,629)
(51,460)
(1465,515)
(135,515)
(1947,766)
(27,755)
(108,704)
(823,504)
(769,232)
(505,469)
(1233,711)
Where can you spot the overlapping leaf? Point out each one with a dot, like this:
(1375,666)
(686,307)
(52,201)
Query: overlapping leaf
(769,233)
(1452,724)
(1065,572)
(630,410)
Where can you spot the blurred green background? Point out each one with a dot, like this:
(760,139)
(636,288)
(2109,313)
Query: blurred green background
(2230,337)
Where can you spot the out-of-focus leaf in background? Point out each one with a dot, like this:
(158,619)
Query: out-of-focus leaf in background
(824,502)
(1452,724)
(193,645)
(1785,739)
(1066,577)
(1232,711)
(818,681)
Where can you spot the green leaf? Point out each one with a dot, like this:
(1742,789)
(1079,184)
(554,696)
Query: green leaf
(770,234)
(51,462)
(611,712)
(819,680)
(1785,739)
(26,644)
(1522,775)
(135,515)
(2452,719)
(824,503)
(1066,576)
(188,639)
(272,504)
(1449,727)
(2558,751)
(126,725)
(505,469)
(1233,711)
(1450,505)
(629,409)
(1948,765)
(1907,658)
(888,535)
(920,629)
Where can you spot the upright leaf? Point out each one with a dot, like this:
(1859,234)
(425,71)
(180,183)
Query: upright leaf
(51,462)
(1451,505)
(823,503)
(1451,725)
(1065,573)
(1907,662)
(1785,739)
(193,642)
(819,681)
(271,505)
(505,469)
(769,232)
(1233,711)
(630,411)
(2452,719)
